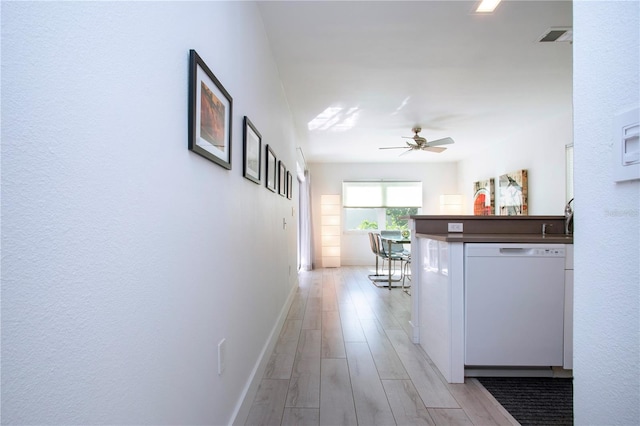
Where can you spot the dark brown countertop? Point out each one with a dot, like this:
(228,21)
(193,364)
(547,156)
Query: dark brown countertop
(494,229)
(500,238)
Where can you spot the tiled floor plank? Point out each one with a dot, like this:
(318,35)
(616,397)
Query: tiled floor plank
(477,406)
(428,383)
(336,395)
(450,417)
(301,417)
(372,407)
(268,405)
(304,387)
(332,340)
(281,361)
(389,364)
(406,405)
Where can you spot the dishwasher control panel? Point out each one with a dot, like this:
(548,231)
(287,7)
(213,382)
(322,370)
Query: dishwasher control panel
(554,252)
(514,250)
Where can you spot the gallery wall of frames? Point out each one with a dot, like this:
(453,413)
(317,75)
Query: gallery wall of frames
(210,124)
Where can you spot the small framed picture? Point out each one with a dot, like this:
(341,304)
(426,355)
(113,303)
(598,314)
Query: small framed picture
(210,113)
(252,142)
(271,170)
(289,185)
(282,179)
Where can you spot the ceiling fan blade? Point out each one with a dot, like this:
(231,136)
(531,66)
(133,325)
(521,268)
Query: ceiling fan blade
(433,148)
(407,151)
(443,141)
(394,147)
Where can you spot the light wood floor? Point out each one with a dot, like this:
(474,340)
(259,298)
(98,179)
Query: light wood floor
(344,357)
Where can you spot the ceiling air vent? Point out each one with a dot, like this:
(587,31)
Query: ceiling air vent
(557,35)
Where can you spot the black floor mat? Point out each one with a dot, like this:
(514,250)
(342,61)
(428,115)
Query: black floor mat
(534,400)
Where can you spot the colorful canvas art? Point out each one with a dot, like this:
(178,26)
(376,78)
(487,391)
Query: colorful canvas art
(514,194)
(484,198)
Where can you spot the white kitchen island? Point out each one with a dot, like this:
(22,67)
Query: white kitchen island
(438,289)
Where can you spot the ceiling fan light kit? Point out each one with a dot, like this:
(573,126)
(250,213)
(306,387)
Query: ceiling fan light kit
(421,144)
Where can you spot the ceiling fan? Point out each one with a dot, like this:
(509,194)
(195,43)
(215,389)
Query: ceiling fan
(420,144)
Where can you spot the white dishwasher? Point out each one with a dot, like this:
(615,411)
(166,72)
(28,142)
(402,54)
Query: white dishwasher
(514,304)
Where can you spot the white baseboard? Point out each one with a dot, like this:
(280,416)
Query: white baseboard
(243,406)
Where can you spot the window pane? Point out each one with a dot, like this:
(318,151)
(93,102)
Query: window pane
(394,215)
(360,219)
(403,194)
(361,194)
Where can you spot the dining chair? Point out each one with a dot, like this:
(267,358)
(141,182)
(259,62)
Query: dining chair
(373,242)
(389,256)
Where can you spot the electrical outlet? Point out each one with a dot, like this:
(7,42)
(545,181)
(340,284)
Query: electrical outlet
(221,356)
(455,227)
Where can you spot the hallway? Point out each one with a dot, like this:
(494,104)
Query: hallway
(344,357)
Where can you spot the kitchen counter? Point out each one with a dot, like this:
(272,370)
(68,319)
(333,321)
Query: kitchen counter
(499,238)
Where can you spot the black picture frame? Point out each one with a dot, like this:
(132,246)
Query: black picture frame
(271,175)
(210,114)
(252,146)
(282,179)
(289,185)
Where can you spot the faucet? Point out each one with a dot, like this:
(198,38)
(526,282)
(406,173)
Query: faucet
(568,218)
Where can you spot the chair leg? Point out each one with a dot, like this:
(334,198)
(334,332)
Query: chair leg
(378,276)
(404,276)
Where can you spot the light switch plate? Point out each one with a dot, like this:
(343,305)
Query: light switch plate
(626,146)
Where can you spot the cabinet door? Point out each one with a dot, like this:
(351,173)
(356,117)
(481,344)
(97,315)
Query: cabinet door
(568,320)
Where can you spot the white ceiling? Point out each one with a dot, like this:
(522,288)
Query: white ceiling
(480,79)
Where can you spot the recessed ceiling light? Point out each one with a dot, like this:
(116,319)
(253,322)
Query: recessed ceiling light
(487,6)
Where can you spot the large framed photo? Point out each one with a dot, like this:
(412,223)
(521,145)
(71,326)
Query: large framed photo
(252,151)
(210,113)
(484,197)
(271,170)
(282,179)
(514,193)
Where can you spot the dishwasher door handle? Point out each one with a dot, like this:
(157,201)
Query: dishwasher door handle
(516,251)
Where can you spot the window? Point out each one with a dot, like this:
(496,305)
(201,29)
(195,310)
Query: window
(380,205)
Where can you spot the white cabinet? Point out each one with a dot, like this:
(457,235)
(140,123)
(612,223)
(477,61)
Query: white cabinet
(439,291)
(568,310)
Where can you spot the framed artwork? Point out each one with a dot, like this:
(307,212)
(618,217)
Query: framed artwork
(514,194)
(282,179)
(210,112)
(272,170)
(484,198)
(289,185)
(252,142)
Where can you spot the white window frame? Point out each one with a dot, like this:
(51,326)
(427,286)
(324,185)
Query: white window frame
(380,201)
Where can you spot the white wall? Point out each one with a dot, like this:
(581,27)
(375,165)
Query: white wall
(607,278)
(126,258)
(326,178)
(541,150)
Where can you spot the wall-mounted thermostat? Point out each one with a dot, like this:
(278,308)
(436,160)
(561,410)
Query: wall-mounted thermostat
(626,146)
